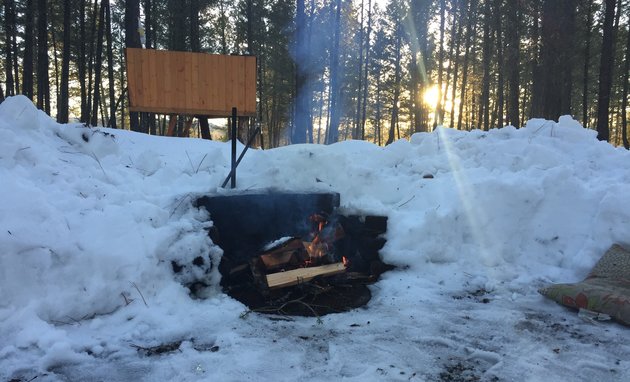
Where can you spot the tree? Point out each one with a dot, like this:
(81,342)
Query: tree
(332,133)
(366,71)
(512,63)
(624,97)
(556,60)
(418,17)
(500,93)
(62,108)
(98,65)
(396,12)
(132,40)
(605,72)
(110,65)
(43,88)
(27,65)
(9,30)
(587,60)
(302,89)
(81,65)
(470,31)
(484,105)
(195,46)
(437,120)
(455,40)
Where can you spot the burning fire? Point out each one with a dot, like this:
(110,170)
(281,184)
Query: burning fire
(298,260)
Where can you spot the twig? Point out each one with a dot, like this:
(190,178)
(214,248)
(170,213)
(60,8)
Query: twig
(75,320)
(189,161)
(57,322)
(202,159)
(542,127)
(438,141)
(143,300)
(410,199)
(280,310)
(127,300)
(179,204)
(99,164)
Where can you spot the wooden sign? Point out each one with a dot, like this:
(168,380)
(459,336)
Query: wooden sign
(169,82)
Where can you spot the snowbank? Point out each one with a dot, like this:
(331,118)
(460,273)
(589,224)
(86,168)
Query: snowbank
(91,219)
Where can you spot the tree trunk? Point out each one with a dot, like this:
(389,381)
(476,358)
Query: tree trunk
(458,38)
(512,62)
(535,104)
(132,40)
(470,31)
(367,68)
(397,79)
(587,61)
(81,61)
(16,69)
(378,116)
(438,107)
(27,64)
(335,82)
(149,29)
(90,63)
(451,57)
(62,108)
(110,66)
(357,120)
(9,30)
(148,24)
(195,45)
(556,55)
(624,96)
(43,98)
(500,66)
(302,92)
(605,72)
(484,104)
(98,64)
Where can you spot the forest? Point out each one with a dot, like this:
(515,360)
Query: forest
(376,70)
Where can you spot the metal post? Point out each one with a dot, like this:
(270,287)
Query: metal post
(233,171)
(240,157)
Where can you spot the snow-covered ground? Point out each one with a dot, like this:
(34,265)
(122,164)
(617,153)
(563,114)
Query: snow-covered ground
(91,218)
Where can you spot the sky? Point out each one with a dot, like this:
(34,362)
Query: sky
(91,219)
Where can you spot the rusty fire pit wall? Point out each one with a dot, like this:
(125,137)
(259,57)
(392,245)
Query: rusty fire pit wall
(243,223)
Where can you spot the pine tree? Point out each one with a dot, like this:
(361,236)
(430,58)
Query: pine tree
(605,72)
(62,108)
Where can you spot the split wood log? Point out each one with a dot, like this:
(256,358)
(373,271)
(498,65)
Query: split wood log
(288,253)
(302,275)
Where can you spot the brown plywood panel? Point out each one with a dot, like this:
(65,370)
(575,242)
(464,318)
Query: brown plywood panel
(132,77)
(191,83)
(239,88)
(179,80)
(250,83)
(195,98)
(223,95)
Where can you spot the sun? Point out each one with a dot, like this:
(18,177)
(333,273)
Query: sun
(430,96)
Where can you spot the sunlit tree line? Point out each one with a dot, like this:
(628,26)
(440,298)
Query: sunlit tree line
(331,70)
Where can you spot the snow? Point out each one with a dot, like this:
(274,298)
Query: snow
(90,220)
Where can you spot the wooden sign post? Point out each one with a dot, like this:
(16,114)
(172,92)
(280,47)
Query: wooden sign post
(198,84)
(169,82)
